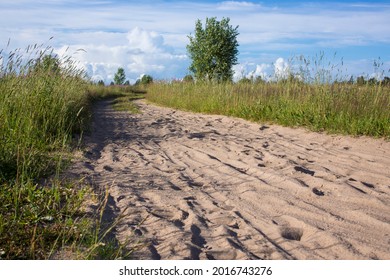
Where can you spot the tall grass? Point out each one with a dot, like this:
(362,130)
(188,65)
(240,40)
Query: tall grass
(41,104)
(44,102)
(332,107)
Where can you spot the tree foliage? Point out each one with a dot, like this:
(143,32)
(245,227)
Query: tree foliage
(213,50)
(120,76)
(145,80)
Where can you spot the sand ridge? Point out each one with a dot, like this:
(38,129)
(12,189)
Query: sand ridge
(213,187)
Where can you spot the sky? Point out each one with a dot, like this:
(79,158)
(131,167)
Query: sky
(150,37)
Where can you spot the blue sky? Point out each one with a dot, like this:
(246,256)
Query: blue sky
(150,37)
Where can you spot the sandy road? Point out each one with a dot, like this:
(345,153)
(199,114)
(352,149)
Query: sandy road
(213,187)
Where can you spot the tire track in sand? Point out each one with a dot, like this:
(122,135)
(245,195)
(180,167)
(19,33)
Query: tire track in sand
(213,187)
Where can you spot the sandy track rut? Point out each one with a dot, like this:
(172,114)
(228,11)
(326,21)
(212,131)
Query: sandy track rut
(213,187)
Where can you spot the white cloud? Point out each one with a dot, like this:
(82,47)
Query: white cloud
(237,6)
(145,41)
(144,52)
(239,72)
(261,70)
(281,69)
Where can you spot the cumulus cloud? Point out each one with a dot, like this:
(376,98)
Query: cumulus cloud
(261,71)
(144,52)
(277,70)
(145,41)
(239,72)
(281,69)
(251,71)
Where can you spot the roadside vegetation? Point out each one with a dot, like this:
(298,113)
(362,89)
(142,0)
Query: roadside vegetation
(343,108)
(45,107)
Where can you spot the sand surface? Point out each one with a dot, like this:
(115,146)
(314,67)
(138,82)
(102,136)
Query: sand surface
(212,187)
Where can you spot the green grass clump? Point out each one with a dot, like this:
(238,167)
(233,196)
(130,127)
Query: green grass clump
(336,108)
(44,103)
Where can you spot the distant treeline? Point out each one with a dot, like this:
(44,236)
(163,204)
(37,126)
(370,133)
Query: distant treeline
(360,80)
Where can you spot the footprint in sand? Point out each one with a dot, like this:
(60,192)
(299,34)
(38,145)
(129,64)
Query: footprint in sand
(292,233)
